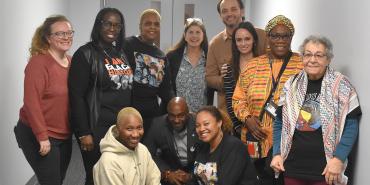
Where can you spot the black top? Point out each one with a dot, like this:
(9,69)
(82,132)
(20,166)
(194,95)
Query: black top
(228,164)
(151,77)
(306,159)
(229,87)
(114,85)
(160,142)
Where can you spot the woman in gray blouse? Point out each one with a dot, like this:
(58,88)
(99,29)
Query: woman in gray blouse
(188,60)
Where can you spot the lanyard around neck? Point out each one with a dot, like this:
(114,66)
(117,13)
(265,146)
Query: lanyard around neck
(282,69)
(274,82)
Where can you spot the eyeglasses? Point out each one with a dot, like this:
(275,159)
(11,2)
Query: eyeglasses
(108,25)
(318,56)
(277,36)
(194,19)
(62,34)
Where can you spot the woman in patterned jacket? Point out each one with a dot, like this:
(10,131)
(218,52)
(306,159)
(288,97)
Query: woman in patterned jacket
(259,87)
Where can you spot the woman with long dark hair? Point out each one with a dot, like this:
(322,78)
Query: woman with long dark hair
(244,47)
(100,82)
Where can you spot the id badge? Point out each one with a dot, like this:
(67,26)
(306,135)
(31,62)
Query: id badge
(271,108)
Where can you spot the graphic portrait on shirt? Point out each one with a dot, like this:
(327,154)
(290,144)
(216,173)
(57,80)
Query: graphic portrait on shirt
(149,70)
(120,73)
(309,115)
(206,173)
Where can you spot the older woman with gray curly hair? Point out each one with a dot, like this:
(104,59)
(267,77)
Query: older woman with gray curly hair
(317,120)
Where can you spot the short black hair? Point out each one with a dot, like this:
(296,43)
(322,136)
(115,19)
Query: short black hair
(95,33)
(241,5)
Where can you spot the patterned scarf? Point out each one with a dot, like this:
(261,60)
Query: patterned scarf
(338,98)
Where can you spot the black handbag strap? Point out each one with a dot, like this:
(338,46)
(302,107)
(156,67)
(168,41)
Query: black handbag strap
(275,83)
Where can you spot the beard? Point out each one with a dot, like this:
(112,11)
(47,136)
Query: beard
(232,25)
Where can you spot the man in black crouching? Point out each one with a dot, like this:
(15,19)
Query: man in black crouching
(171,141)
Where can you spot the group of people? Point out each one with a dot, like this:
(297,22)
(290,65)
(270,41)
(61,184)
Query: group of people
(282,117)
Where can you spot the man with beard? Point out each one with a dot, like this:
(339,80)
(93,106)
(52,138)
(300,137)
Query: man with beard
(171,141)
(219,51)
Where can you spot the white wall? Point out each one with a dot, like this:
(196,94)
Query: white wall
(19,20)
(131,11)
(205,9)
(82,14)
(171,27)
(346,24)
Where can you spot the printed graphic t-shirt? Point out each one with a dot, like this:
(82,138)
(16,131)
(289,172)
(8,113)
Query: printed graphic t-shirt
(116,85)
(228,164)
(306,159)
(151,77)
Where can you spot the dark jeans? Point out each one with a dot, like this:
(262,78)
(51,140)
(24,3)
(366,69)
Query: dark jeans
(265,173)
(294,181)
(50,169)
(147,124)
(90,158)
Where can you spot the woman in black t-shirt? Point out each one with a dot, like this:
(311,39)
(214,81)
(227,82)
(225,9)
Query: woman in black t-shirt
(221,159)
(100,82)
(317,121)
(151,69)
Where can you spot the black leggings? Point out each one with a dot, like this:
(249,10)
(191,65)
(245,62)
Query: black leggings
(50,169)
(91,157)
(265,173)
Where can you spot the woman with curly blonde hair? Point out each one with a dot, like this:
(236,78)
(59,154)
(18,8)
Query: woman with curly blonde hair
(43,131)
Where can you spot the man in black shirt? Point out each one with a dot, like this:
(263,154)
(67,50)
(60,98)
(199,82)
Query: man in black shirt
(171,141)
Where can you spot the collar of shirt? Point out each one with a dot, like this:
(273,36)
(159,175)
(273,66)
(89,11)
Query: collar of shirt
(225,36)
(186,50)
(180,134)
(201,60)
